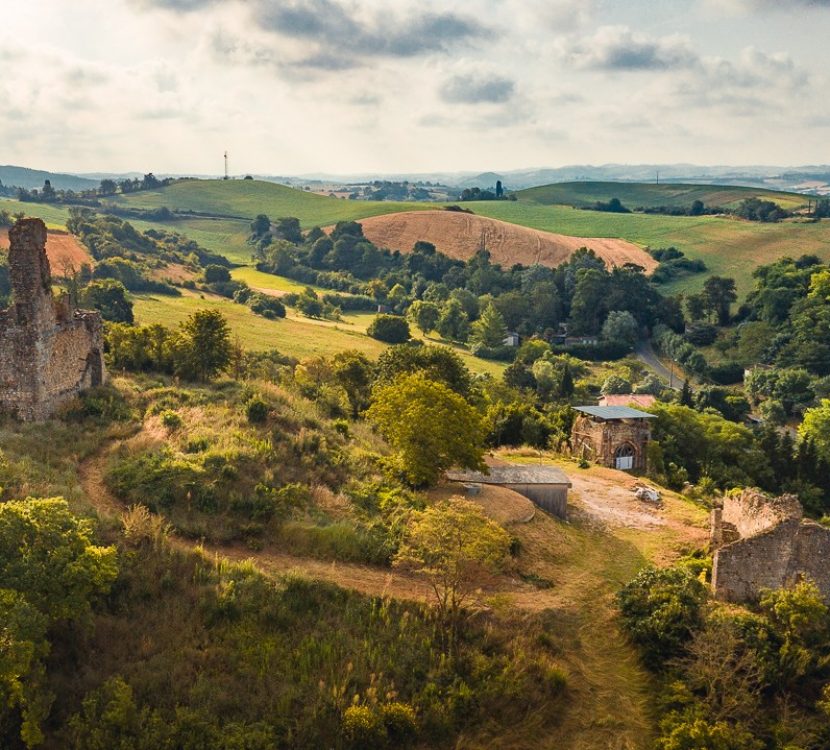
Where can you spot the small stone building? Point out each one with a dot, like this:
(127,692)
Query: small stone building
(49,351)
(761,542)
(546,486)
(613,436)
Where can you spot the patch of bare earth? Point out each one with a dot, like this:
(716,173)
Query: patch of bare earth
(62,249)
(460,235)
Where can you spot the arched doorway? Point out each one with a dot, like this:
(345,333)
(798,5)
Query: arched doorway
(624,457)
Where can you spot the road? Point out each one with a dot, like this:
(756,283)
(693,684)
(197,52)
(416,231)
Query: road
(644,351)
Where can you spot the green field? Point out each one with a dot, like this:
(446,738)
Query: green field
(54,216)
(295,335)
(247,198)
(729,247)
(645,195)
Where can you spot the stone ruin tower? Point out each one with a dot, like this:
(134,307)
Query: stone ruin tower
(49,351)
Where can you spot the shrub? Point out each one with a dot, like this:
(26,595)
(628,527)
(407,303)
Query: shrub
(661,608)
(389,328)
(171,420)
(362,728)
(257,411)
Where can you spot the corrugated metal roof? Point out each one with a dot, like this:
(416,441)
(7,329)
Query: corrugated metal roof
(513,474)
(614,412)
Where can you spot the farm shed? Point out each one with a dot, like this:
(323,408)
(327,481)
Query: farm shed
(613,436)
(546,486)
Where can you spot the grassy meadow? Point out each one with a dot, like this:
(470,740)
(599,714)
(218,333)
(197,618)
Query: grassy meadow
(729,247)
(647,195)
(247,198)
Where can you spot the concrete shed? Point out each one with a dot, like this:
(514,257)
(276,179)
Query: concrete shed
(546,486)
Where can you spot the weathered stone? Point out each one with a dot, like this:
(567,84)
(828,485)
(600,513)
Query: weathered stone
(49,351)
(762,543)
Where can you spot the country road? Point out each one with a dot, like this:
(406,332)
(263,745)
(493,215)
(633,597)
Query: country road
(644,351)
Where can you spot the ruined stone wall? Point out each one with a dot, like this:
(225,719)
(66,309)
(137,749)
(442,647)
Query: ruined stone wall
(599,441)
(778,550)
(753,512)
(48,351)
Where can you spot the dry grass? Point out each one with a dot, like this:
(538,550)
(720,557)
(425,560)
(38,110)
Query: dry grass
(461,235)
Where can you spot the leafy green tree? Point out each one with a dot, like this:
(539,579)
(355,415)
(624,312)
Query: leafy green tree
(614,384)
(489,330)
(454,324)
(430,427)
(719,294)
(217,274)
(355,373)
(393,329)
(260,225)
(454,543)
(425,315)
(816,428)
(50,572)
(590,301)
(621,326)
(661,609)
(203,347)
(110,298)
(686,395)
(439,363)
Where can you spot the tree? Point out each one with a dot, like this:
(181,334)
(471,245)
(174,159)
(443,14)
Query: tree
(453,543)
(454,323)
(621,326)
(354,372)
(816,428)
(392,329)
(203,348)
(217,274)
(566,385)
(661,609)
(489,330)
(260,225)
(50,571)
(430,427)
(695,307)
(110,298)
(439,363)
(108,187)
(425,314)
(719,294)
(614,384)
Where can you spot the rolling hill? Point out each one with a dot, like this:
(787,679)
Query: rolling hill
(244,199)
(460,235)
(646,195)
(29,179)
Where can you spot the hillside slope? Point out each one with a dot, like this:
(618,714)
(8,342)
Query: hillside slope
(248,198)
(645,195)
(23,177)
(461,235)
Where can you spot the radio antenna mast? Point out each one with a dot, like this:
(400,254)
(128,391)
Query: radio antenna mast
(226,166)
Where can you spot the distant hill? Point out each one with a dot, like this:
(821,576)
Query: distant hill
(650,195)
(29,179)
(247,198)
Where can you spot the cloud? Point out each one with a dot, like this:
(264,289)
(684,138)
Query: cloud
(618,48)
(470,89)
(338,30)
(179,6)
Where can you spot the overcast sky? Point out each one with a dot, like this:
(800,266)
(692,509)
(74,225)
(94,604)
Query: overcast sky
(293,86)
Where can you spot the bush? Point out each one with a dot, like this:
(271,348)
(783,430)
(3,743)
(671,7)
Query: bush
(661,608)
(257,411)
(392,329)
(729,373)
(171,420)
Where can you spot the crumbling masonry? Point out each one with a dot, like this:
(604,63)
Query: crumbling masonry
(764,543)
(49,351)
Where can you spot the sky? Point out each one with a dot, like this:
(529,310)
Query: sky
(418,86)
